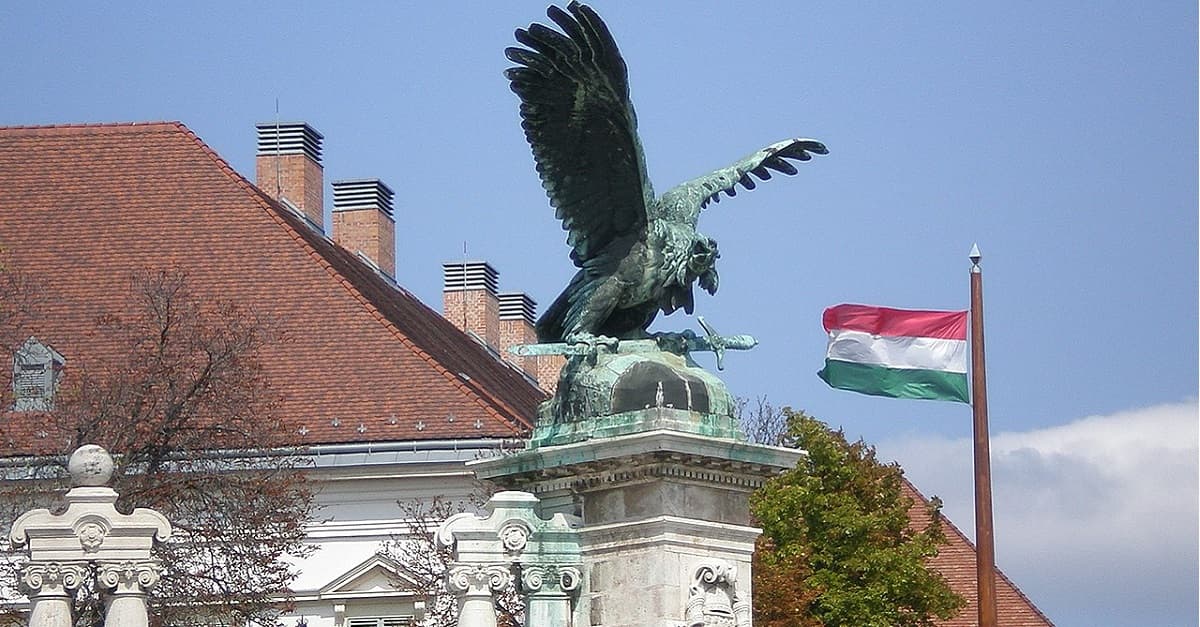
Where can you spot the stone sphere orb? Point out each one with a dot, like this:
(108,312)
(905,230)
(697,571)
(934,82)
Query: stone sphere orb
(90,466)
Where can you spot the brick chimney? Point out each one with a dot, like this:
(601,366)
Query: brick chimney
(517,314)
(549,367)
(469,299)
(289,168)
(363,222)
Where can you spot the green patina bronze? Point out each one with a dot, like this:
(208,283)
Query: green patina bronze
(636,254)
(635,386)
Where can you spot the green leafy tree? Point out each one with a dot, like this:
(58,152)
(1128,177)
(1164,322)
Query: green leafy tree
(836,530)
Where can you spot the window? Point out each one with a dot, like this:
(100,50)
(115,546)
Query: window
(380,621)
(36,370)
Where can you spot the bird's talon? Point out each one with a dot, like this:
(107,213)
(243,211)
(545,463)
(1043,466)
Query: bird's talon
(594,342)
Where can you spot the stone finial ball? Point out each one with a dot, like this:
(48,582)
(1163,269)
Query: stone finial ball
(90,465)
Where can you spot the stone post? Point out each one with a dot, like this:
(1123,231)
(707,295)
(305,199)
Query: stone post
(549,592)
(127,584)
(476,587)
(90,532)
(513,545)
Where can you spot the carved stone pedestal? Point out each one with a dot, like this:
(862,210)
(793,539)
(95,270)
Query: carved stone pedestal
(666,537)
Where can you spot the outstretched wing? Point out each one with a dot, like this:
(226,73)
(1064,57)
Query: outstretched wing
(577,117)
(687,199)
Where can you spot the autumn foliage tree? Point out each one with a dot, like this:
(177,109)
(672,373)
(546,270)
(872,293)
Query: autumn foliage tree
(181,400)
(838,548)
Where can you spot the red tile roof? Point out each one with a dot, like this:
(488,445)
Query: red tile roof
(82,207)
(956,562)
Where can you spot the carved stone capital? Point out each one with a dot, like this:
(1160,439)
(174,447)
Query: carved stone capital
(473,579)
(714,573)
(742,613)
(552,579)
(713,599)
(39,579)
(128,577)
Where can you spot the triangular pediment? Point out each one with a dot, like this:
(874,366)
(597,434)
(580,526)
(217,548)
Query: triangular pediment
(376,574)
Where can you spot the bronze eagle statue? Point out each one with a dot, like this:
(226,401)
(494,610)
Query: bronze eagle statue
(637,254)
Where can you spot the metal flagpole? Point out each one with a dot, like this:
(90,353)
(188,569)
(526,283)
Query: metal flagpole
(985,552)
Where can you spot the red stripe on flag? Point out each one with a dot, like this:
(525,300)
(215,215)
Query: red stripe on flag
(888,322)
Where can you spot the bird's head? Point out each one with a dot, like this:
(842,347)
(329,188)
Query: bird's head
(703,256)
(703,262)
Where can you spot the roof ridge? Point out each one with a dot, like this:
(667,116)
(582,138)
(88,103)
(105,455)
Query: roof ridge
(280,215)
(975,552)
(88,125)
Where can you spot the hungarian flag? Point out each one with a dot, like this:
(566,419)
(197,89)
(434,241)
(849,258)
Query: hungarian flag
(897,352)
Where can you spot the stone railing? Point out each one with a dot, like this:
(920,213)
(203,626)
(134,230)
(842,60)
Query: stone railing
(90,536)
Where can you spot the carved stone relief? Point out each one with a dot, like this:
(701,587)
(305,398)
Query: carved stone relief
(713,599)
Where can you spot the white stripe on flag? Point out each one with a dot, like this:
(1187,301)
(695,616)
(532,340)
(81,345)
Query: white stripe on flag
(920,353)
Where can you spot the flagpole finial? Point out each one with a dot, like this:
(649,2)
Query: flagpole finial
(975,256)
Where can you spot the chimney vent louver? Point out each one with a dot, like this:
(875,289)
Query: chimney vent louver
(289,138)
(353,194)
(517,306)
(469,275)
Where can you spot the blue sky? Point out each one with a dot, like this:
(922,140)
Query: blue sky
(1059,136)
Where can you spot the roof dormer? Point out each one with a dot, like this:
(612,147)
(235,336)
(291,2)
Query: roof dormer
(36,370)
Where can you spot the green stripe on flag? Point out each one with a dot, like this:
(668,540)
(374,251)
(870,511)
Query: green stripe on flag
(895,382)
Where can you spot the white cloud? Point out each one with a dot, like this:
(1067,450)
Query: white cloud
(1095,520)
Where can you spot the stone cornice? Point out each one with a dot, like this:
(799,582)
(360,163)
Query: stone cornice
(654,454)
(690,469)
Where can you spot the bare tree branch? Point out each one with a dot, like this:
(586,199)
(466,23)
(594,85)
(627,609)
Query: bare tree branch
(425,563)
(183,404)
(762,422)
